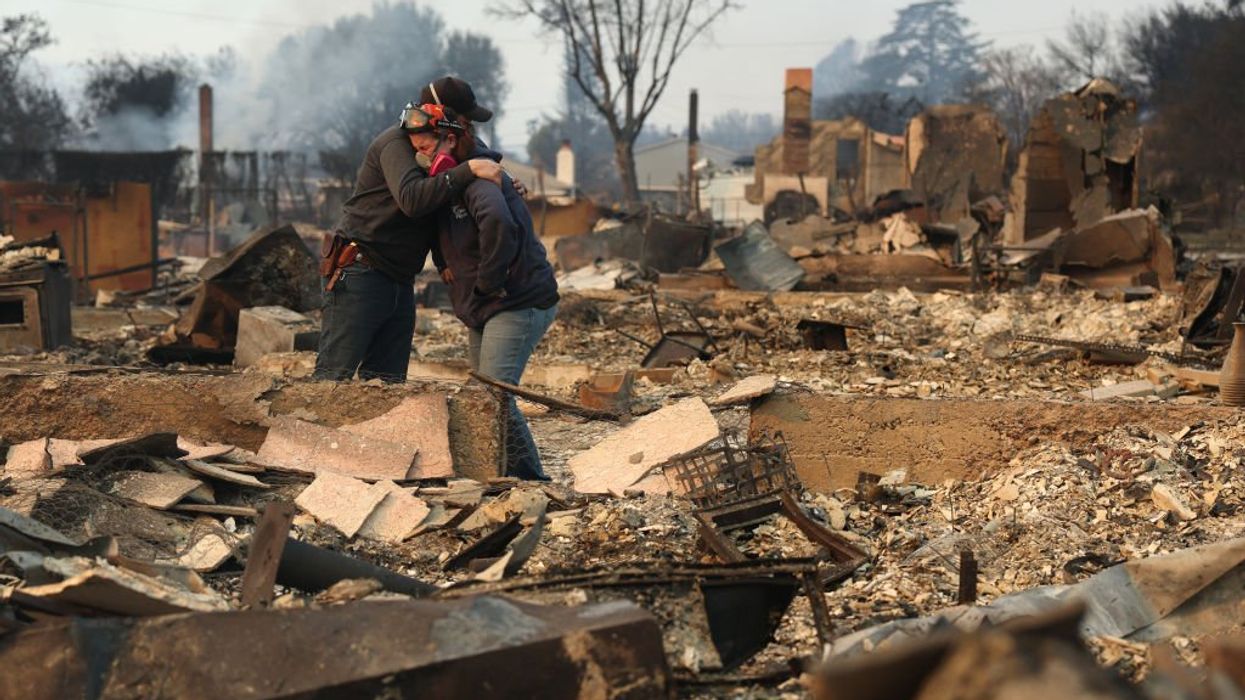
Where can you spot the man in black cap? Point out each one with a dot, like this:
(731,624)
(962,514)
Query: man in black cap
(456,94)
(380,245)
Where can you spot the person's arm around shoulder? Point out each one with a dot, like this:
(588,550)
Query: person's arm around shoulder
(417,194)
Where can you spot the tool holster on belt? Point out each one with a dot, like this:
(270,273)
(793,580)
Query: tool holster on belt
(336,254)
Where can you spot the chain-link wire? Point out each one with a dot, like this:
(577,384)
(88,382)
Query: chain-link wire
(79,511)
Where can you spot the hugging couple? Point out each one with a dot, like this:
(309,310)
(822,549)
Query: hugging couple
(428,184)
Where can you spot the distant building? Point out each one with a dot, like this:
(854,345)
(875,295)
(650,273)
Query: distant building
(558,208)
(661,169)
(724,195)
(843,163)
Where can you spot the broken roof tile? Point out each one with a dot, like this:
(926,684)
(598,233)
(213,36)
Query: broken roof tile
(340,501)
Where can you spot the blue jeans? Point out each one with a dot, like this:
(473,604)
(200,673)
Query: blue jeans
(501,350)
(367,326)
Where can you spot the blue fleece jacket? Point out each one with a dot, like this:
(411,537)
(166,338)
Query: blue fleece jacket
(487,240)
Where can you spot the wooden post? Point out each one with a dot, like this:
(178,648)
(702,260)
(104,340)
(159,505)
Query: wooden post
(205,168)
(968,577)
(263,557)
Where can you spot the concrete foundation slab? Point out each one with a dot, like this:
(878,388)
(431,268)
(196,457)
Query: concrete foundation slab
(832,438)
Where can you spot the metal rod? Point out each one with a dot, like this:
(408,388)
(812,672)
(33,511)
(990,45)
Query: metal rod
(132,268)
(559,404)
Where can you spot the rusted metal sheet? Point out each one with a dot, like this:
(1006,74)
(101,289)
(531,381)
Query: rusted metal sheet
(671,245)
(608,392)
(475,647)
(743,602)
(120,234)
(34,210)
(756,263)
(100,233)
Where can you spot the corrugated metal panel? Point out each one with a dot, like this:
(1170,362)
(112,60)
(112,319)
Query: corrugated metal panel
(756,263)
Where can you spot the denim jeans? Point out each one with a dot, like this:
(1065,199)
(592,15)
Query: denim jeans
(500,350)
(367,326)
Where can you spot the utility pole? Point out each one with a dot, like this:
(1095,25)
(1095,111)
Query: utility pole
(693,140)
(206,210)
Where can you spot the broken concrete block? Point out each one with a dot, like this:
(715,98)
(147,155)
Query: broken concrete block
(340,501)
(397,516)
(267,329)
(309,448)
(1140,387)
(203,494)
(626,456)
(421,423)
(1167,499)
(156,490)
(438,517)
(28,459)
(747,389)
(206,554)
(527,503)
(65,452)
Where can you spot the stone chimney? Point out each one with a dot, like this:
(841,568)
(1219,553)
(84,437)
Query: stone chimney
(797,120)
(565,170)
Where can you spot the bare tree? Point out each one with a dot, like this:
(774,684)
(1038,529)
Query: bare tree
(623,52)
(1017,83)
(1087,51)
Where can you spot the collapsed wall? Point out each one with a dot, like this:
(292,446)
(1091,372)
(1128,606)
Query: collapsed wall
(235,409)
(1079,163)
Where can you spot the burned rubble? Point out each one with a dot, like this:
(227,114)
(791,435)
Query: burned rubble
(733,475)
(914,432)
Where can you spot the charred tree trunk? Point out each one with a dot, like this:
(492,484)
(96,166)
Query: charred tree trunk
(624,157)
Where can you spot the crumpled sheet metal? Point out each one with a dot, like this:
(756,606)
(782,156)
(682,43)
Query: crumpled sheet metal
(756,263)
(1132,598)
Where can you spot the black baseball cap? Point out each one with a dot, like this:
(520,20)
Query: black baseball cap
(456,94)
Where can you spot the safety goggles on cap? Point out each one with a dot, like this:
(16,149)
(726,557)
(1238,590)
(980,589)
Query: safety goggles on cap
(426,117)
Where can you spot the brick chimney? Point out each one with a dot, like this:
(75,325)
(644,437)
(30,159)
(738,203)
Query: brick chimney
(797,120)
(565,167)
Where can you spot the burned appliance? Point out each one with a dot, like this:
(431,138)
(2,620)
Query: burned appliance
(35,298)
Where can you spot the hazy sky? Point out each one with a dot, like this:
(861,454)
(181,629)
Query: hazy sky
(739,65)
